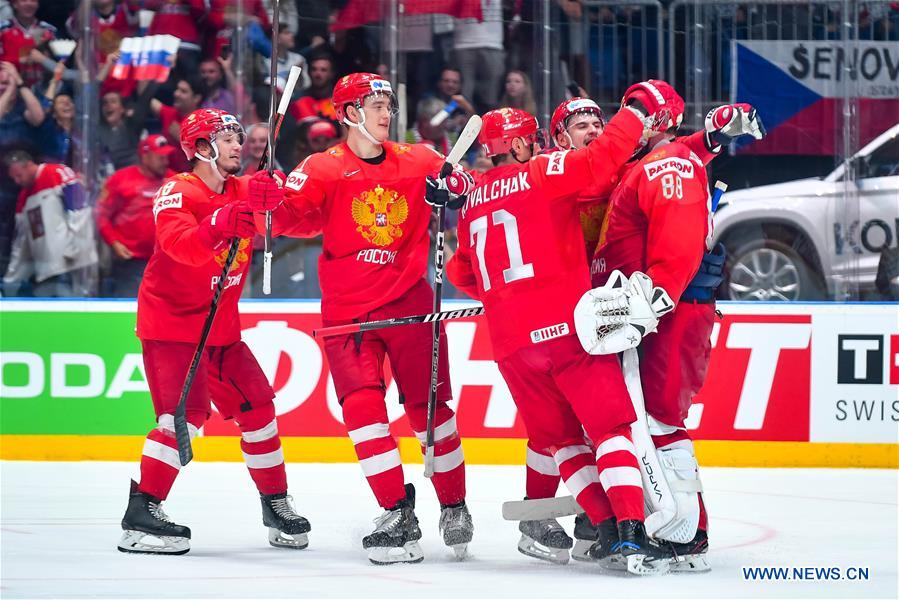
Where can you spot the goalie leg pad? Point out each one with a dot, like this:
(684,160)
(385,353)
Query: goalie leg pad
(661,504)
(682,472)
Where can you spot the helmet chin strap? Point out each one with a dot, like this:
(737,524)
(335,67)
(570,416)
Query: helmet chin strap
(361,126)
(212,160)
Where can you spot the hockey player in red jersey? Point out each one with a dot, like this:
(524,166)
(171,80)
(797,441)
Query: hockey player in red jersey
(658,224)
(521,253)
(197,215)
(575,123)
(367,197)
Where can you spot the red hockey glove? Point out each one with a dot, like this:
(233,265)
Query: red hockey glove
(266,191)
(659,103)
(232,220)
(437,194)
(725,123)
(459,182)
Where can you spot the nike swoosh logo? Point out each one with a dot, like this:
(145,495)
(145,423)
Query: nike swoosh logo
(350,173)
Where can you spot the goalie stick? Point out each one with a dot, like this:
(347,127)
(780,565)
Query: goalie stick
(446,315)
(466,139)
(541,508)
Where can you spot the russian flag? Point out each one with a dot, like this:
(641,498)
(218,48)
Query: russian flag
(146,58)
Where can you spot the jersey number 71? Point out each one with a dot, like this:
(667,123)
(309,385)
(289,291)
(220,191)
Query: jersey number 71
(517,267)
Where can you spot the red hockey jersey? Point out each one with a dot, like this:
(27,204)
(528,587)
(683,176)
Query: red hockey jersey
(521,248)
(595,199)
(183,19)
(17,42)
(374,219)
(180,279)
(657,221)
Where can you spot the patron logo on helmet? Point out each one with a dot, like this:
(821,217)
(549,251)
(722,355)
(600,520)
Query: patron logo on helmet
(365,102)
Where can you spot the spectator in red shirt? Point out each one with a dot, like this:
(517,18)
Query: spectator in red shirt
(184,19)
(315,102)
(125,213)
(110,22)
(188,96)
(22,34)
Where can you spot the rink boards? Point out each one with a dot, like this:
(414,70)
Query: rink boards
(810,385)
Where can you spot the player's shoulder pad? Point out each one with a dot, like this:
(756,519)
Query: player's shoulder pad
(674,157)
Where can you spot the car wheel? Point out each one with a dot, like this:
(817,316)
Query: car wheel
(770,270)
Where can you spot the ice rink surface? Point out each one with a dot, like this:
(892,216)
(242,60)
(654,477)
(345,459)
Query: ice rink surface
(60,525)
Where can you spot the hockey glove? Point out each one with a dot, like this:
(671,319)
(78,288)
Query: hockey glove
(726,123)
(618,315)
(649,101)
(459,183)
(438,195)
(232,220)
(265,191)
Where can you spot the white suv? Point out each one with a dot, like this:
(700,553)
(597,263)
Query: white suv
(809,239)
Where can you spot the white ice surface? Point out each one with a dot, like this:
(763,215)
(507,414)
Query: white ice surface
(60,525)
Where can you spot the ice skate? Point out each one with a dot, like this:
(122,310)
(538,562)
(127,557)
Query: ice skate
(642,555)
(286,529)
(544,539)
(691,557)
(396,534)
(147,529)
(604,538)
(585,535)
(456,527)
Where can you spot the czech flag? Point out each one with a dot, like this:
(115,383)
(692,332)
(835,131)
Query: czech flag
(798,88)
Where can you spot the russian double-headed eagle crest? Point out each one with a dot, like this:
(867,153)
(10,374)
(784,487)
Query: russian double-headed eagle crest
(242,255)
(379,214)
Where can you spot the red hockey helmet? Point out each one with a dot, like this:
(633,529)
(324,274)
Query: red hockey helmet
(205,124)
(573,106)
(499,127)
(671,111)
(356,87)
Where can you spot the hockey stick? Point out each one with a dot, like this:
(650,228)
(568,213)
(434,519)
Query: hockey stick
(466,139)
(292,78)
(720,188)
(446,315)
(182,432)
(273,122)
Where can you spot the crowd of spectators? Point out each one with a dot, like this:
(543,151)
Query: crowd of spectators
(131,131)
